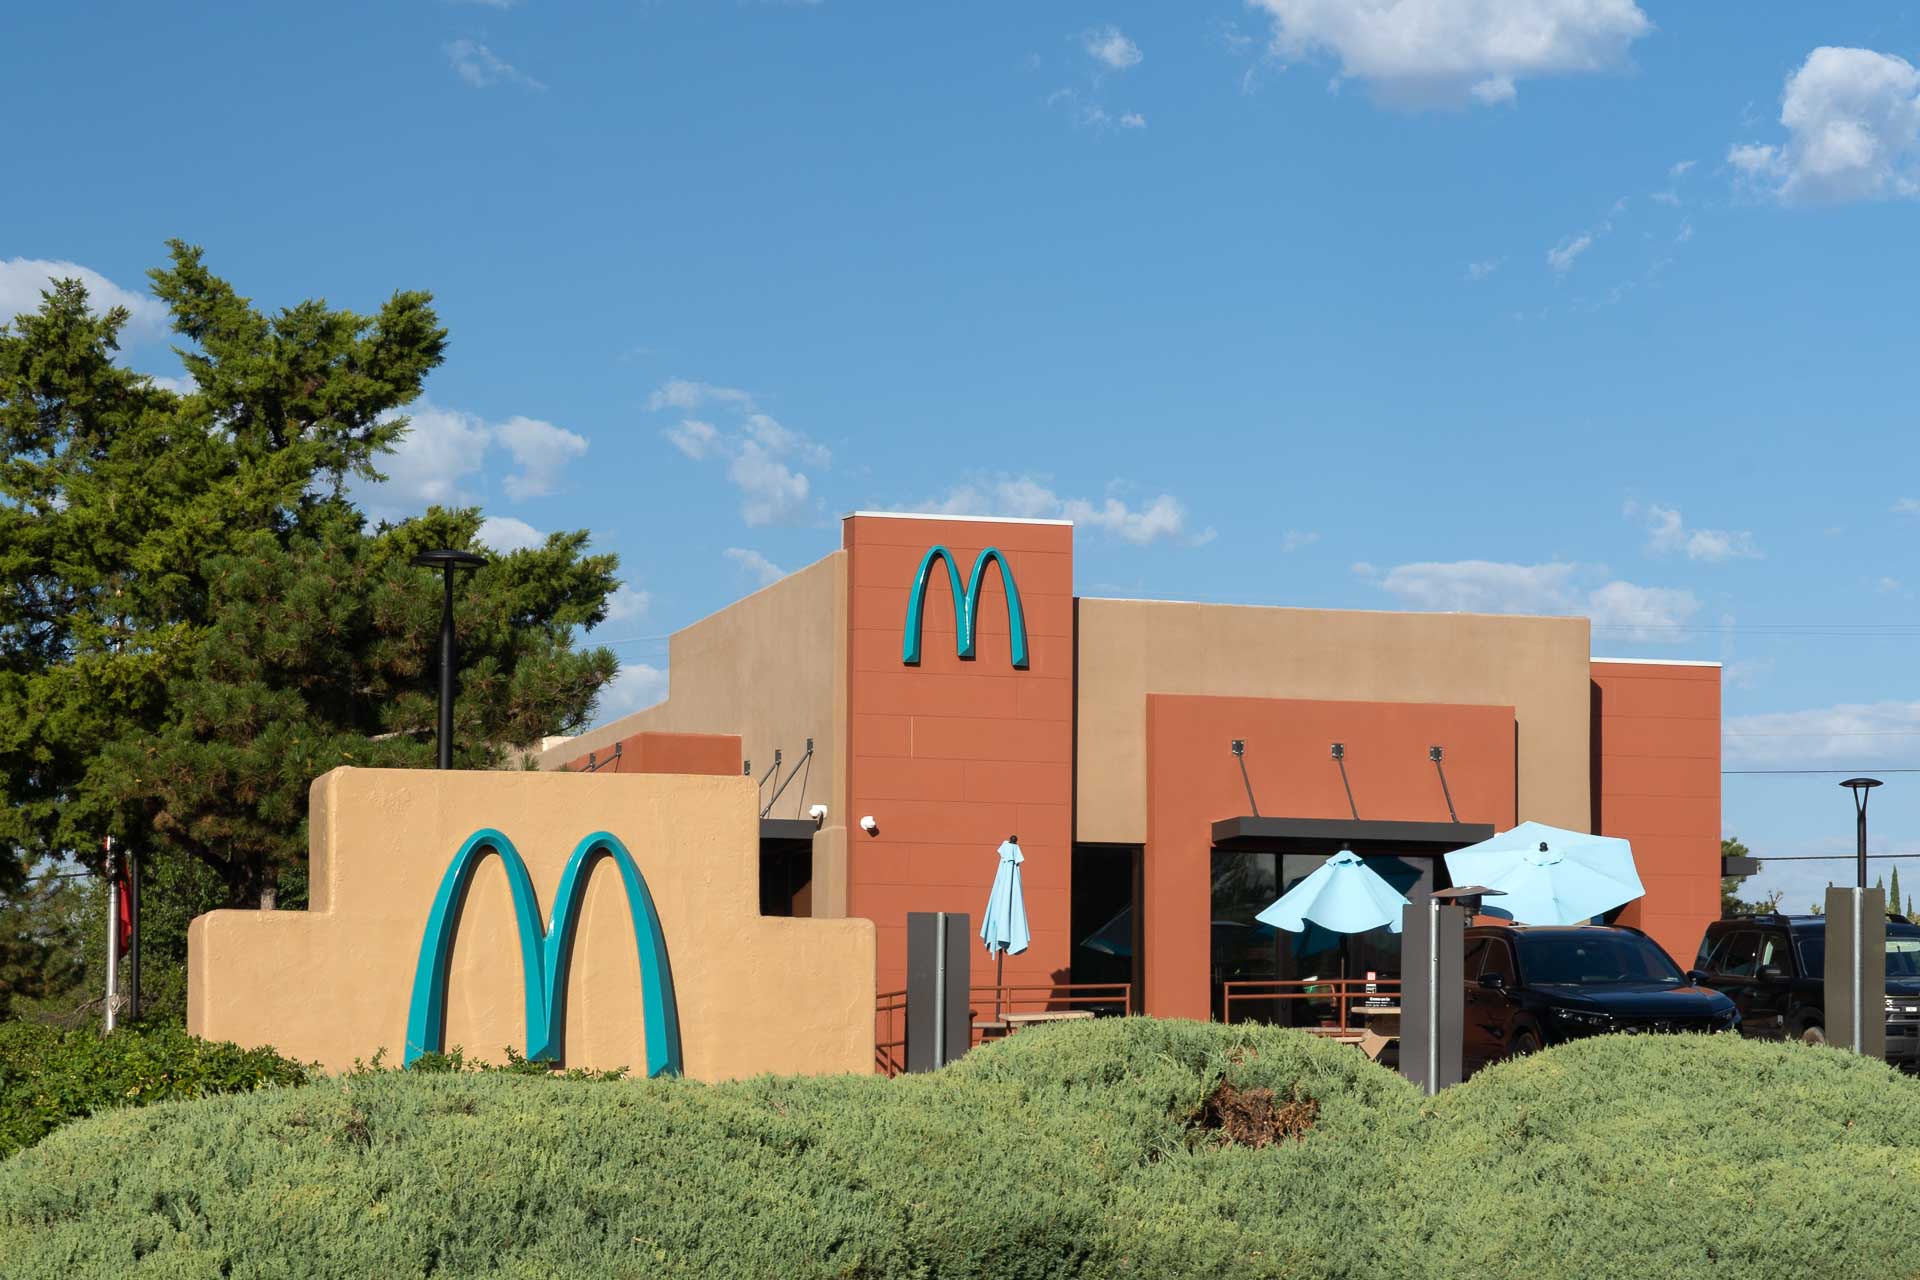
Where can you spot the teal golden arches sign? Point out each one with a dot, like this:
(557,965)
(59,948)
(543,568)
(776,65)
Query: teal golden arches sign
(544,954)
(966,606)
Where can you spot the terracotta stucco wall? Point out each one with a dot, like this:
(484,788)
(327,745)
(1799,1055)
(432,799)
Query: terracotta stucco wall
(951,757)
(1193,781)
(1131,648)
(771,669)
(717,754)
(1656,780)
(332,983)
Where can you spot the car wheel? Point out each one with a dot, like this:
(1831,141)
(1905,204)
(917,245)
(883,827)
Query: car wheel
(1524,1043)
(1813,1033)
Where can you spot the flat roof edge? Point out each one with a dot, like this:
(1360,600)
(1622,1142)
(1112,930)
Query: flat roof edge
(1657,662)
(935,515)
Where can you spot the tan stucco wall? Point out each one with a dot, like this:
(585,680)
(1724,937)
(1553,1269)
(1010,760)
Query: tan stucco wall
(332,983)
(1130,648)
(772,669)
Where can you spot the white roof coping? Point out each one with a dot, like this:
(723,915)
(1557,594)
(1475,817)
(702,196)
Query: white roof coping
(1658,662)
(934,515)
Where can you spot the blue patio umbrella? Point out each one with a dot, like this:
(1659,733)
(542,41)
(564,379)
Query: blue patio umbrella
(1004,929)
(1343,894)
(1550,876)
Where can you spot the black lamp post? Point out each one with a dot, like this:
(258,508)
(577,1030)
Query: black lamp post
(448,562)
(1860,787)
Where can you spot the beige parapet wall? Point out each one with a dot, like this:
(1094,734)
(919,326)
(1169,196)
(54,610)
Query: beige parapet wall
(332,983)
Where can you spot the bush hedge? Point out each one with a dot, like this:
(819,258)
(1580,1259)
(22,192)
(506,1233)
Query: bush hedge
(1088,1149)
(49,1077)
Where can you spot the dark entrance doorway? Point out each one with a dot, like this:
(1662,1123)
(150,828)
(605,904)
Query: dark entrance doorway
(1105,915)
(1255,860)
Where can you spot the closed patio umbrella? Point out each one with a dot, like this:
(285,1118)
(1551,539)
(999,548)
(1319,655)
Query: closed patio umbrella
(1550,876)
(1004,929)
(1342,894)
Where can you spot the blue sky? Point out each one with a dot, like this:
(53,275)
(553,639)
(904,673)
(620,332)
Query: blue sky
(1588,306)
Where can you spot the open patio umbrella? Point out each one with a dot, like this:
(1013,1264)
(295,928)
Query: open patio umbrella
(1342,894)
(1004,929)
(1550,876)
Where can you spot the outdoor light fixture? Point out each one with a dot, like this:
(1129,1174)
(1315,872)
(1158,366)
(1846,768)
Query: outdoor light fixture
(868,825)
(1860,787)
(818,813)
(448,562)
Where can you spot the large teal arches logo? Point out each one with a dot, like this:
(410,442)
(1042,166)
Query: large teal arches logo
(544,954)
(966,606)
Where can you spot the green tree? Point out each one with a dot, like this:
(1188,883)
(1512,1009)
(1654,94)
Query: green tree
(1731,903)
(195,620)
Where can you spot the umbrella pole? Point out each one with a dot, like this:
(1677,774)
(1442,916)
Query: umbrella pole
(999,976)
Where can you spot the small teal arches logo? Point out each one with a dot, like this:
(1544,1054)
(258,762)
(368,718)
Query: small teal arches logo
(966,606)
(544,954)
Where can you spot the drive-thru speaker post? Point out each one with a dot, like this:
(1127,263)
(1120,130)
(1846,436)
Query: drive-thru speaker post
(1432,989)
(1856,980)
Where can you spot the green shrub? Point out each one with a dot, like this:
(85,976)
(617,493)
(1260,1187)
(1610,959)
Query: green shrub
(1085,1149)
(49,1077)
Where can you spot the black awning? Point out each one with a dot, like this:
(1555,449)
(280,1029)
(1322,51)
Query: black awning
(1325,835)
(788,828)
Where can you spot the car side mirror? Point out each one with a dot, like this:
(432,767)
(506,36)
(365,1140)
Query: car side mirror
(1771,973)
(1493,981)
(1698,977)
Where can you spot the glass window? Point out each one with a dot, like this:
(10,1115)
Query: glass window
(1499,960)
(1712,948)
(1813,953)
(1903,954)
(1597,958)
(1743,955)
(1472,958)
(1773,953)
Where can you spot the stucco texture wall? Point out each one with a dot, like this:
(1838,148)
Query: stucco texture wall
(771,669)
(1131,648)
(332,983)
(1656,779)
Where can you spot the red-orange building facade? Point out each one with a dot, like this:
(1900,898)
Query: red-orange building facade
(1108,752)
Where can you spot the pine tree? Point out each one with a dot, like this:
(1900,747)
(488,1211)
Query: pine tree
(1893,890)
(194,618)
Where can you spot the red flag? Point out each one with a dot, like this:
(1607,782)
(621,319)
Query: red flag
(123,876)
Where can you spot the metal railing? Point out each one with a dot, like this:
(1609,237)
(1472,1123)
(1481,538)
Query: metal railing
(1321,1005)
(1029,1002)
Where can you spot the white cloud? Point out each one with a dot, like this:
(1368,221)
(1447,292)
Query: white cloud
(22,280)
(489,4)
(1452,52)
(1888,585)
(506,534)
(1108,46)
(179,386)
(679,393)
(440,449)
(1295,539)
(1848,730)
(541,451)
(756,565)
(1907,507)
(1645,614)
(1029,498)
(1679,168)
(444,448)
(763,455)
(628,604)
(1478,271)
(1852,118)
(1561,257)
(636,687)
(482,68)
(1667,532)
(1133,120)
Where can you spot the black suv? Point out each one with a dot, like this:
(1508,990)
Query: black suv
(1774,968)
(1532,986)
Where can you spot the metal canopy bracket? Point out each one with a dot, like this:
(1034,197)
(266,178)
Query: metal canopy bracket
(1316,834)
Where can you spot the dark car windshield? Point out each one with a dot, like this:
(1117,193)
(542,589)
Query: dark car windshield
(1594,959)
(1903,952)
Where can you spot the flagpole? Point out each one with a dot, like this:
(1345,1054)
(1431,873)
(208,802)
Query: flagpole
(113,939)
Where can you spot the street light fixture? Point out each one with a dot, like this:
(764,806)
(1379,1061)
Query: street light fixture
(448,562)
(1860,787)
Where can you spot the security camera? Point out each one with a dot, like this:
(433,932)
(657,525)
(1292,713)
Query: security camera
(868,825)
(818,813)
